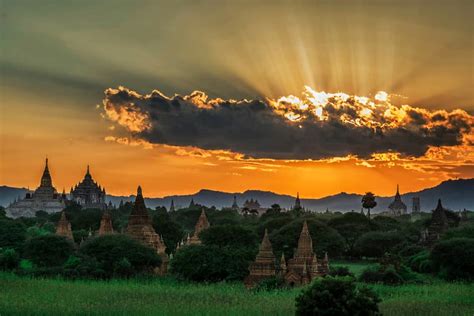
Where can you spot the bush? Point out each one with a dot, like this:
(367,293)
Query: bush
(466,231)
(9,259)
(48,250)
(389,275)
(337,296)
(376,244)
(111,250)
(210,263)
(83,267)
(421,262)
(378,274)
(340,271)
(12,234)
(454,258)
(270,284)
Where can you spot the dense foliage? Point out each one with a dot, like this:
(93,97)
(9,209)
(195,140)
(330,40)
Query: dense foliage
(454,258)
(48,250)
(337,296)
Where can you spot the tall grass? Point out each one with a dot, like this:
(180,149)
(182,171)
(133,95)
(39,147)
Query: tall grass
(21,295)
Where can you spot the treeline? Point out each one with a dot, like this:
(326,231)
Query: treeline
(29,246)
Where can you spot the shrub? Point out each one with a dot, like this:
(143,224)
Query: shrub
(111,250)
(337,296)
(421,262)
(9,259)
(48,250)
(83,267)
(466,231)
(210,263)
(270,284)
(12,234)
(376,244)
(340,271)
(389,275)
(454,258)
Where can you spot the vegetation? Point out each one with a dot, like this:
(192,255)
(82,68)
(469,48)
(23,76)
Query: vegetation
(337,296)
(454,258)
(22,295)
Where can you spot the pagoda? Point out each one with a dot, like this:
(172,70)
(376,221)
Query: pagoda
(44,198)
(264,265)
(106,227)
(88,193)
(201,225)
(397,207)
(304,266)
(140,228)
(438,225)
(63,227)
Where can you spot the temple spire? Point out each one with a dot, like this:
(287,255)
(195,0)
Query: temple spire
(46,177)
(398,189)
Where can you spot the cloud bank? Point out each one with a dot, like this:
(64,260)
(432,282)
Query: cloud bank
(317,125)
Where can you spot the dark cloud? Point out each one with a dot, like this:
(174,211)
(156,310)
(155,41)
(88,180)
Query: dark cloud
(317,126)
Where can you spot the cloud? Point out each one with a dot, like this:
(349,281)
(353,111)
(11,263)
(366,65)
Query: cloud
(318,125)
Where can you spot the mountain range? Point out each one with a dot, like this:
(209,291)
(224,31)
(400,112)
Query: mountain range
(455,194)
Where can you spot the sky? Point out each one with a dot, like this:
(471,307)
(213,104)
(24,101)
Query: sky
(315,97)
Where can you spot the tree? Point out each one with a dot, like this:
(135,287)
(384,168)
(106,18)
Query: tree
(111,250)
(210,263)
(170,230)
(12,234)
(350,226)
(368,202)
(48,250)
(229,236)
(375,244)
(337,296)
(454,258)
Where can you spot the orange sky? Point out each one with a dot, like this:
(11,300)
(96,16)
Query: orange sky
(55,66)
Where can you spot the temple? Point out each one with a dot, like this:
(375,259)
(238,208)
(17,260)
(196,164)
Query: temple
(88,193)
(44,198)
(438,225)
(297,206)
(264,265)
(201,225)
(235,206)
(397,207)
(300,270)
(305,266)
(140,228)
(63,227)
(106,227)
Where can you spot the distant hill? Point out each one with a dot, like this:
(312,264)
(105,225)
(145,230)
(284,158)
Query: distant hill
(456,194)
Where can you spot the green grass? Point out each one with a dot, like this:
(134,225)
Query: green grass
(21,295)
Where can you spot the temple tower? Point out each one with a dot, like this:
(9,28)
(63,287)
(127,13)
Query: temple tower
(397,207)
(264,264)
(140,228)
(439,224)
(201,225)
(416,205)
(297,205)
(63,227)
(172,209)
(106,224)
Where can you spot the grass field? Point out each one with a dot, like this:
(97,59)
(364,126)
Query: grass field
(19,295)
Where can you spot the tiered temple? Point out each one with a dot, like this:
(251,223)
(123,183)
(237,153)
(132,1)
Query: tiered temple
(44,198)
(305,266)
(106,227)
(63,227)
(140,228)
(88,193)
(438,225)
(264,265)
(201,225)
(397,207)
(300,270)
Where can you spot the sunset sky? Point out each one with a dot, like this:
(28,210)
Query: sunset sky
(317,97)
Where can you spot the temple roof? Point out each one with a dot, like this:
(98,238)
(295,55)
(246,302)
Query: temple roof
(305,242)
(46,177)
(397,202)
